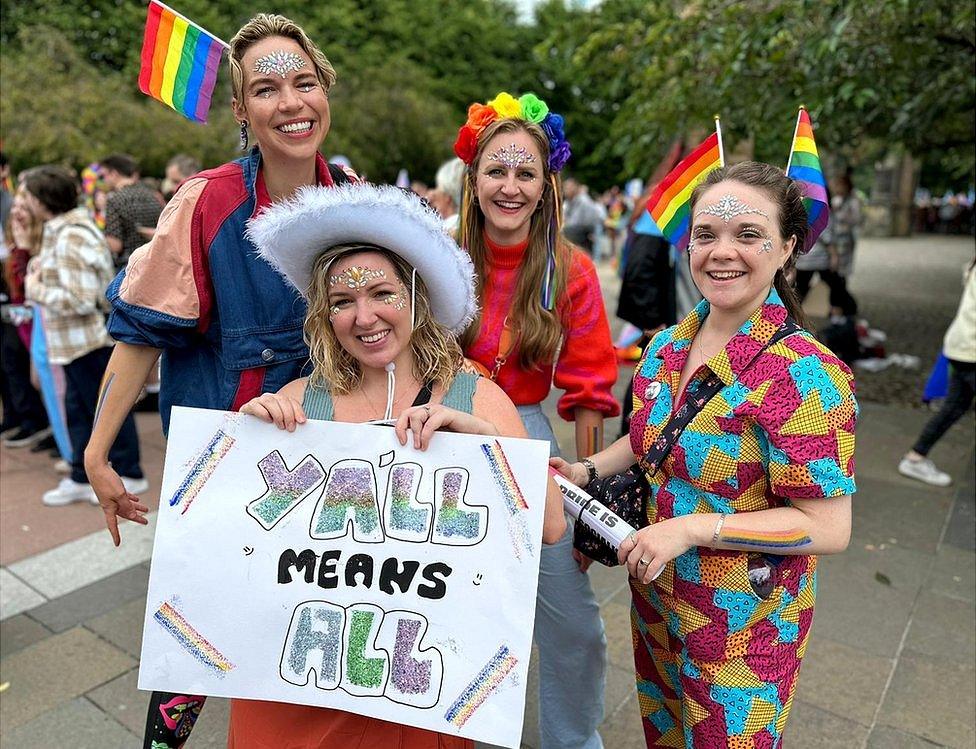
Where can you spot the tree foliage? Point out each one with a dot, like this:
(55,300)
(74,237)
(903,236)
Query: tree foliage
(629,76)
(875,75)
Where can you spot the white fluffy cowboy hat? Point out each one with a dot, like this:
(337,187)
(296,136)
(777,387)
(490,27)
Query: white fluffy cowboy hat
(291,234)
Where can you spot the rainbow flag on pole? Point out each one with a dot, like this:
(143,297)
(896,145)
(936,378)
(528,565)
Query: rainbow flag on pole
(179,62)
(804,166)
(669,204)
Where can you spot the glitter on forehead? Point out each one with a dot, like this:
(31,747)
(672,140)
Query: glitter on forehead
(513,156)
(728,208)
(356,276)
(279,62)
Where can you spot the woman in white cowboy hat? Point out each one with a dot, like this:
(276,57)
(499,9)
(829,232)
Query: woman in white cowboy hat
(387,290)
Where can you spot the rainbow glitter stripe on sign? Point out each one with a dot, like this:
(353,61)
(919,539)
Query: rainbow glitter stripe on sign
(192,641)
(767,539)
(202,470)
(501,471)
(481,687)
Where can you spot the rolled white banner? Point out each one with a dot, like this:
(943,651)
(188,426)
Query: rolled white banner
(604,522)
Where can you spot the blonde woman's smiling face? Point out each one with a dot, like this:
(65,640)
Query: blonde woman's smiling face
(509,185)
(736,247)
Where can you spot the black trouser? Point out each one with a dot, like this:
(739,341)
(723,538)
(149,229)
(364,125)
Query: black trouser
(83,377)
(22,405)
(962,386)
(840,297)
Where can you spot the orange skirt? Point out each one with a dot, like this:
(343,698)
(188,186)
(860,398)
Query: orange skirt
(279,725)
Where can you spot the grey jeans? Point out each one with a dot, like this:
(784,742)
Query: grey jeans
(569,635)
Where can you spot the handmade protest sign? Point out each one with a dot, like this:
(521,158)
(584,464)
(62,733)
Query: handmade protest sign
(334,567)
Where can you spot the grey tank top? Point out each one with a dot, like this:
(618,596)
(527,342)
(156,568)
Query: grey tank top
(317,402)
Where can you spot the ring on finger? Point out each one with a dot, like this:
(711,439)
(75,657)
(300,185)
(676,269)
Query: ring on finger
(427,409)
(643,562)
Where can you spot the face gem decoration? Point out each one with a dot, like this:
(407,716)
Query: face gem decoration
(399,300)
(512,156)
(691,245)
(728,208)
(356,277)
(766,246)
(279,62)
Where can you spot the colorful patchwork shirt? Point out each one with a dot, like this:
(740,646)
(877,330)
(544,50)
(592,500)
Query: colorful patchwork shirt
(781,428)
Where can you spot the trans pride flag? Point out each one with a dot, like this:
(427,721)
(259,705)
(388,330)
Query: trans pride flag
(669,204)
(804,167)
(179,62)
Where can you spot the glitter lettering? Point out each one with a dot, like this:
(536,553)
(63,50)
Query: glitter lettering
(314,643)
(349,497)
(455,525)
(286,488)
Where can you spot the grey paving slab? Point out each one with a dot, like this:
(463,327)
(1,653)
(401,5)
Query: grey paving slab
(92,600)
(954,573)
(961,529)
(15,595)
(890,512)
(122,626)
(943,627)
(210,731)
(934,699)
(810,727)
(884,737)
(854,607)
(86,560)
(616,620)
(18,632)
(622,730)
(121,699)
(606,581)
(842,680)
(77,724)
(621,692)
(55,670)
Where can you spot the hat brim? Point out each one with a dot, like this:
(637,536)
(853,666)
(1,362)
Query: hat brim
(291,234)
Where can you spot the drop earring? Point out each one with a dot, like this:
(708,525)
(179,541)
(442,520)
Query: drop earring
(243,135)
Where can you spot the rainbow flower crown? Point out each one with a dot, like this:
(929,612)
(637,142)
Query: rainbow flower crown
(527,107)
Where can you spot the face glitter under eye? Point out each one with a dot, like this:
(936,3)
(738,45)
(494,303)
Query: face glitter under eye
(279,63)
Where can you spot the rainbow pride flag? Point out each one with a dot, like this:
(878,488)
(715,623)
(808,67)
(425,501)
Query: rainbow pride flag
(669,204)
(804,167)
(179,62)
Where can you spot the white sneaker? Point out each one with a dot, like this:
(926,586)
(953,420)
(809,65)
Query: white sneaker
(62,466)
(924,470)
(135,486)
(69,491)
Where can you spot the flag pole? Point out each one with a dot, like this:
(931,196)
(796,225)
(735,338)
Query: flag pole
(721,149)
(796,129)
(197,26)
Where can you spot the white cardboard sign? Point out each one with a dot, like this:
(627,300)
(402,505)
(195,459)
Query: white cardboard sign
(334,567)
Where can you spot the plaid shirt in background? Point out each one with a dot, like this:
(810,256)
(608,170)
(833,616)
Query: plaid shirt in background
(68,279)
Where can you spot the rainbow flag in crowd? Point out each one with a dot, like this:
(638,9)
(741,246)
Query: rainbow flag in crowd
(179,62)
(669,204)
(804,167)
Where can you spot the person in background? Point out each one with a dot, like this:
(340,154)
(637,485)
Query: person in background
(959,347)
(542,323)
(68,278)
(25,421)
(178,169)
(582,216)
(845,219)
(448,181)
(130,205)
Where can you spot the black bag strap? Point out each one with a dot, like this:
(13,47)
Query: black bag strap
(694,404)
(338,174)
(423,397)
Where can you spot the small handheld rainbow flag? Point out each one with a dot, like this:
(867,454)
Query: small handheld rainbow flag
(179,62)
(804,166)
(669,204)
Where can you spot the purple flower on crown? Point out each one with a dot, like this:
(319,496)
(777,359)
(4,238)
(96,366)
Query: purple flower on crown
(559,150)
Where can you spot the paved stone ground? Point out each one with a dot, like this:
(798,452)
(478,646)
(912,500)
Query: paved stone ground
(891,659)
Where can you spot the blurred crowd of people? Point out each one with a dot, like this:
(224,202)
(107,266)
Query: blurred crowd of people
(65,236)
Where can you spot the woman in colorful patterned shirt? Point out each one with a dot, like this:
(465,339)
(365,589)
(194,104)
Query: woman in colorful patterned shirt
(542,322)
(723,578)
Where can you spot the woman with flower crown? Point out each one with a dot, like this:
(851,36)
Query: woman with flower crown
(542,322)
